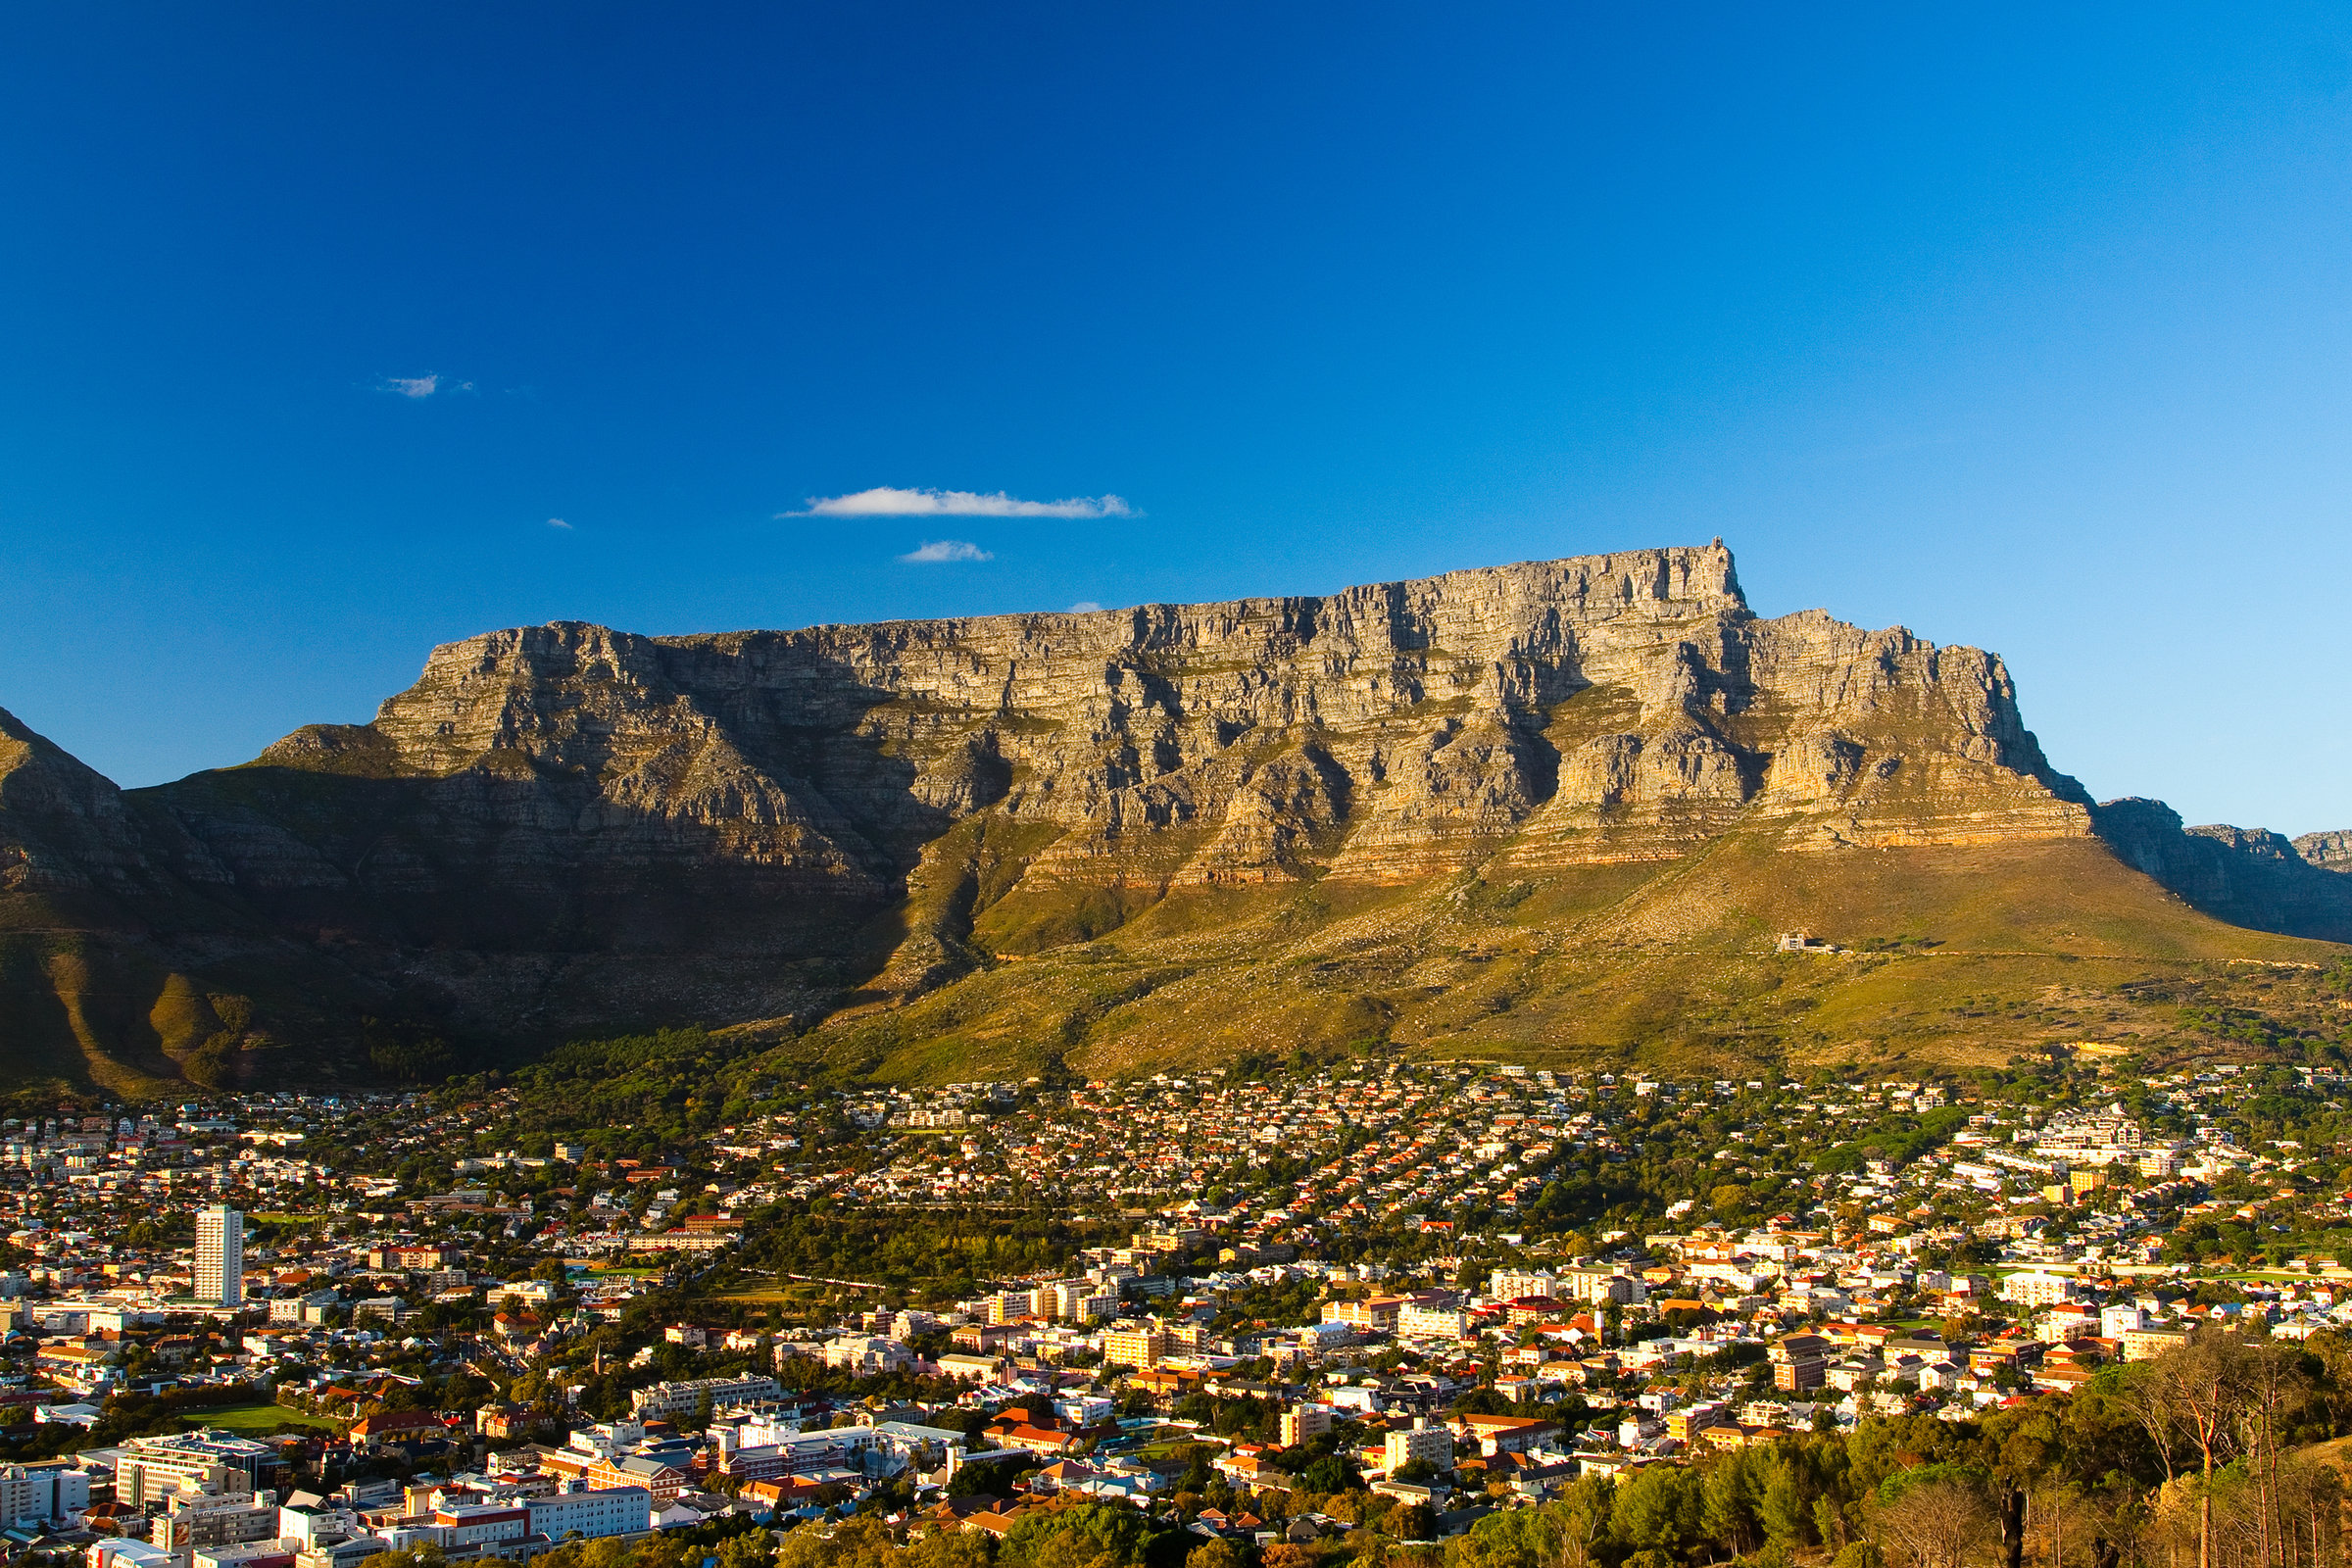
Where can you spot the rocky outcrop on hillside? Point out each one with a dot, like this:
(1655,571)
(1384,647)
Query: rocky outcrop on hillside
(2329,852)
(2248,876)
(568,826)
(580,785)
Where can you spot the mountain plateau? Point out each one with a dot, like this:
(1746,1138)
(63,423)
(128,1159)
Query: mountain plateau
(1555,809)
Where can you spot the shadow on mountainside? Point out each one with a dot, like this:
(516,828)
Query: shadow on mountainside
(2247,876)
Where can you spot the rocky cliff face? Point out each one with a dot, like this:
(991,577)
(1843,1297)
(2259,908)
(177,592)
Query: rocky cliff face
(2329,852)
(2248,876)
(1595,709)
(567,827)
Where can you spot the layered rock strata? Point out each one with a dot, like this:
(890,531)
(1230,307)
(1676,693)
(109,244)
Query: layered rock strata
(1597,709)
(555,815)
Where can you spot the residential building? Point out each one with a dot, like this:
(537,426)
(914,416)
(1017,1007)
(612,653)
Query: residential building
(1423,1440)
(1136,1344)
(479,1524)
(220,1255)
(1506,1284)
(1435,1319)
(1596,1285)
(611,1511)
(1505,1433)
(1303,1421)
(665,1401)
(343,1553)
(396,1426)
(193,1461)
(192,1519)
(2147,1344)
(1375,1314)
(47,1492)
(2036,1288)
(663,1482)
(976,1368)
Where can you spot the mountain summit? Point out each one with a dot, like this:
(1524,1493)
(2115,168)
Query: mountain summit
(569,829)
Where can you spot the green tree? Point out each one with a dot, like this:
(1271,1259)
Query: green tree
(1091,1536)
(1729,1495)
(1662,1508)
(1784,1509)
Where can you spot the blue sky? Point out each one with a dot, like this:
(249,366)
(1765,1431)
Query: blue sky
(2026,330)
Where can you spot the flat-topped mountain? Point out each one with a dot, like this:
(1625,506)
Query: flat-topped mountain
(569,829)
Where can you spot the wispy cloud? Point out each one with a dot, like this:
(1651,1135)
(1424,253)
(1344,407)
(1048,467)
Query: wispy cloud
(885,502)
(1083,607)
(947,550)
(559,523)
(419,386)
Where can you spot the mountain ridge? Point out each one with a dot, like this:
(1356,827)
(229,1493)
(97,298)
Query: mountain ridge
(572,829)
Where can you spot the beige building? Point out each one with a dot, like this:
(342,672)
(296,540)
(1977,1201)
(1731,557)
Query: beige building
(1424,1439)
(2036,1288)
(1303,1421)
(1372,1314)
(1139,1345)
(2145,1345)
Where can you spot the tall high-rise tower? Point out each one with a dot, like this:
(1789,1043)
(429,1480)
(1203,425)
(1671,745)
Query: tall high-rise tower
(220,1255)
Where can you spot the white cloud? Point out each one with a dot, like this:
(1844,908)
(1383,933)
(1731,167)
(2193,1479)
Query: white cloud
(947,550)
(1083,607)
(559,523)
(885,502)
(419,386)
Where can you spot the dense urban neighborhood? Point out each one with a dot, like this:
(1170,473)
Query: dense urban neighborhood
(1465,1310)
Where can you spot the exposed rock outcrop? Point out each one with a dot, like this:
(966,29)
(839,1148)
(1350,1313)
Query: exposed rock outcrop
(567,827)
(2247,876)
(2329,852)
(1587,711)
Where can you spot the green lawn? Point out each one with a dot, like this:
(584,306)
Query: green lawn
(255,1419)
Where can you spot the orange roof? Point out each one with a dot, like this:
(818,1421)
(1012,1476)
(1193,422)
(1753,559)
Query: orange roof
(383,1421)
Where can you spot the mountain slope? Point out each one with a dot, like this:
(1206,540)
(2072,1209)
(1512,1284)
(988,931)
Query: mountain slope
(2247,876)
(1183,823)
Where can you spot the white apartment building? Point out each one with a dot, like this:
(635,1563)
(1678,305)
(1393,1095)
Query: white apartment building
(663,1401)
(1598,1285)
(1509,1284)
(46,1493)
(2036,1288)
(615,1511)
(479,1524)
(2116,1321)
(866,1353)
(1415,1322)
(195,1519)
(1303,1421)
(220,1255)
